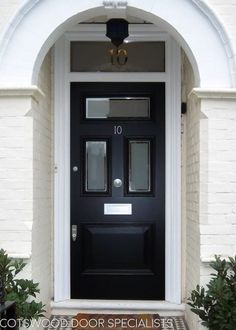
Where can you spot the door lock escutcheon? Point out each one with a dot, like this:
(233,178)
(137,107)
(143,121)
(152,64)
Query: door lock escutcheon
(74,232)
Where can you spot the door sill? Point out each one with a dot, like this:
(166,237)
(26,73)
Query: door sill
(73,306)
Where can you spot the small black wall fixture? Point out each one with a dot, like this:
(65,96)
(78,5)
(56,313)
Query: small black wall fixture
(183,107)
(117,30)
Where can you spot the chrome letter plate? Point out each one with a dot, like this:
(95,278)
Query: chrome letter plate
(119,209)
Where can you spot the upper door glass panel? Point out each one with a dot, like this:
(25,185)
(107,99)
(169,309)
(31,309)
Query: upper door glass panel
(118,108)
(96,166)
(139,166)
(97,57)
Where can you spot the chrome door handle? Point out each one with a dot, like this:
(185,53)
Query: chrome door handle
(74,232)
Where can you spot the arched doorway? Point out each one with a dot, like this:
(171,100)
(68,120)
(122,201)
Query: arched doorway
(213,68)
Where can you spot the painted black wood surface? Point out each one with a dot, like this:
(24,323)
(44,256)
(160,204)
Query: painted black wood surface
(118,256)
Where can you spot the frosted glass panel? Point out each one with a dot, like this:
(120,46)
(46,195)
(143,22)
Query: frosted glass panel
(96,166)
(139,166)
(95,57)
(128,107)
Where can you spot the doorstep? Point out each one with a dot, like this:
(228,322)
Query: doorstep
(73,306)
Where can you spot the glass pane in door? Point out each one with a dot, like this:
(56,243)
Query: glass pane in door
(96,166)
(139,166)
(118,108)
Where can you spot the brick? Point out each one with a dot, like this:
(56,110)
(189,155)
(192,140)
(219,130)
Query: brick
(218,240)
(216,229)
(222,250)
(26,181)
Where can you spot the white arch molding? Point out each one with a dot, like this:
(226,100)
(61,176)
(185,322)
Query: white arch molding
(34,30)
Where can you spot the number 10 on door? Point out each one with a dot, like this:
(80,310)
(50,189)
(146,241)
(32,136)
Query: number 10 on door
(118,130)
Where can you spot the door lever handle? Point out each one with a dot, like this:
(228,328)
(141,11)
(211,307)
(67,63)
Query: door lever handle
(74,232)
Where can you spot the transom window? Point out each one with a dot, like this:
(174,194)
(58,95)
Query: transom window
(96,56)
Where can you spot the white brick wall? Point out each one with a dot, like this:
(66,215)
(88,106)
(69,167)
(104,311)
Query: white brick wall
(25,181)
(211,190)
(16,145)
(42,183)
(218,231)
(209,173)
(192,203)
(190,189)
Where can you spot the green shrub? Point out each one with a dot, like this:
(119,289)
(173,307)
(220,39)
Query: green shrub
(216,305)
(19,290)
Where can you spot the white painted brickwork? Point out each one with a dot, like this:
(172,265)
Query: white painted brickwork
(42,184)
(25,181)
(16,189)
(218,229)
(192,202)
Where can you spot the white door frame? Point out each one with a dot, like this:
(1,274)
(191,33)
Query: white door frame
(172,78)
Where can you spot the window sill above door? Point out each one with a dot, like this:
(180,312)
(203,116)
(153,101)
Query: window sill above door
(73,306)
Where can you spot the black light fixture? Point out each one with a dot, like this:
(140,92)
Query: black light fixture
(117,30)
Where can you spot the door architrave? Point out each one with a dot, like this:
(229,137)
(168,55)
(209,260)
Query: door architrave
(63,77)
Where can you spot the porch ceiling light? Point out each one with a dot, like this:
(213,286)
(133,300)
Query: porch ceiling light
(117,30)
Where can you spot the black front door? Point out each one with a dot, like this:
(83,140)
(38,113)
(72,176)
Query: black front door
(118,191)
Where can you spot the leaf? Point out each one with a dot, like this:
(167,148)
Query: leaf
(216,304)
(20,290)
(201,313)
